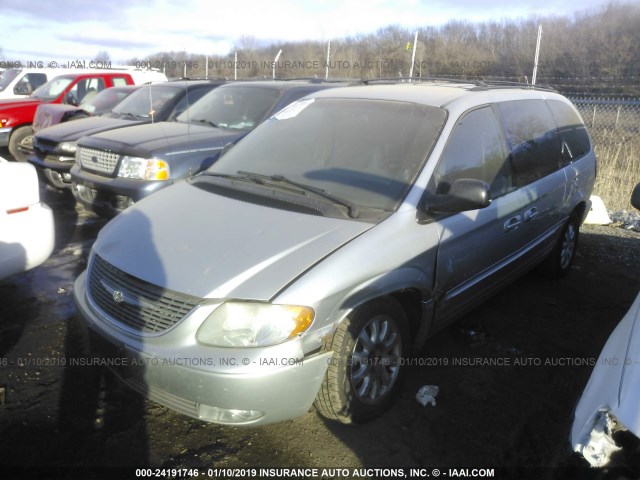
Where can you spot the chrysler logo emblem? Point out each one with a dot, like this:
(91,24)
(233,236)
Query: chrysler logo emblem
(118,296)
(94,159)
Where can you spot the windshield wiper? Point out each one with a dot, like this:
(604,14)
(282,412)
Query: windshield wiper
(128,115)
(208,122)
(353,209)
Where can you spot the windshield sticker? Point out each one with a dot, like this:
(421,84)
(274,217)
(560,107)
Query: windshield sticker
(294,109)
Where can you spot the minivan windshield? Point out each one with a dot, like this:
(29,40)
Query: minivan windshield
(53,88)
(365,152)
(236,107)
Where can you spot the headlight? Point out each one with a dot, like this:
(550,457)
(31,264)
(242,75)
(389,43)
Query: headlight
(144,168)
(68,147)
(253,324)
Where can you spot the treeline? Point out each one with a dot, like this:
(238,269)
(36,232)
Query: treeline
(591,52)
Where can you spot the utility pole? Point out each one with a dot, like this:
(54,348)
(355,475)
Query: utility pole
(535,61)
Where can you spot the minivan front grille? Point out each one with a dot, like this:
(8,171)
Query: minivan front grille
(100,161)
(135,303)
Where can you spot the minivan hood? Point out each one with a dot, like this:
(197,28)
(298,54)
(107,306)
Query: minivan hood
(69,131)
(196,242)
(160,139)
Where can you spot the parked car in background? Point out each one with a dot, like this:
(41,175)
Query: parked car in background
(53,149)
(49,114)
(609,407)
(26,225)
(22,82)
(328,244)
(117,168)
(16,116)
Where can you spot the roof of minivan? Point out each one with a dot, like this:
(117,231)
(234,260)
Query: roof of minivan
(433,94)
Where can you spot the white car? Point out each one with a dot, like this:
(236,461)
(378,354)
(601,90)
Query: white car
(610,401)
(27,231)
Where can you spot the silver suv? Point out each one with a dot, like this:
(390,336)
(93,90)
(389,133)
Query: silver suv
(325,247)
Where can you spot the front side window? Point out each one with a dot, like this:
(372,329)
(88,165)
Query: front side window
(476,150)
(533,139)
(32,81)
(84,89)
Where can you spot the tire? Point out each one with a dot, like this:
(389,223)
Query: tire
(363,376)
(559,262)
(17,137)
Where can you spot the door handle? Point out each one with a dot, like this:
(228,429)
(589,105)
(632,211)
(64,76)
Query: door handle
(512,224)
(530,214)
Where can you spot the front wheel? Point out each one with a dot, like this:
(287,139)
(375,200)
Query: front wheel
(18,136)
(364,373)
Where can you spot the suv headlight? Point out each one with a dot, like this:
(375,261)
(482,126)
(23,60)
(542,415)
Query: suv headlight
(68,147)
(144,168)
(253,324)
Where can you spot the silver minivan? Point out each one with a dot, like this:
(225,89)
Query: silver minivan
(323,249)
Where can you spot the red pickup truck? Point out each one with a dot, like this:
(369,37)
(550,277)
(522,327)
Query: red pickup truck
(16,116)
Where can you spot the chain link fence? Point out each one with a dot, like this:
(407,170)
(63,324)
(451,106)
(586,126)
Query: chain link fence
(614,125)
(604,115)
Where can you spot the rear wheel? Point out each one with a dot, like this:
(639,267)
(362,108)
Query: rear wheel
(18,136)
(558,264)
(364,373)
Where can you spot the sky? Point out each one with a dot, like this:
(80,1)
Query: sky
(67,30)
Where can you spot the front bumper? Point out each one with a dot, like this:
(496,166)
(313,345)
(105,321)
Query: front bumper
(238,396)
(109,196)
(5,133)
(53,169)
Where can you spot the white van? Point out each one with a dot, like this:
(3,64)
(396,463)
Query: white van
(21,82)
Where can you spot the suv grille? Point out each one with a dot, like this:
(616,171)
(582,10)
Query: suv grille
(139,305)
(99,161)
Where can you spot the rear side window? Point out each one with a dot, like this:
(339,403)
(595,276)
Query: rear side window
(119,81)
(573,133)
(476,150)
(533,139)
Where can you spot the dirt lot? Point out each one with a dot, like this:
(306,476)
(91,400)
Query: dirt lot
(58,421)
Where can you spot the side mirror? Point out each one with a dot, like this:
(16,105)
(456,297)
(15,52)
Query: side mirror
(71,99)
(23,89)
(635,197)
(463,195)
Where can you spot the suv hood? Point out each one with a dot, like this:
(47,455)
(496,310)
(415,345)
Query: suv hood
(160,139)
(192,241)
(69,131)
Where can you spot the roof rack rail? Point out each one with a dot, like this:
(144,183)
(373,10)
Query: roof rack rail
(321,80)
(511,84)
(478,83)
